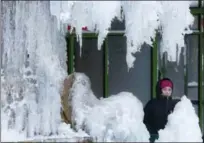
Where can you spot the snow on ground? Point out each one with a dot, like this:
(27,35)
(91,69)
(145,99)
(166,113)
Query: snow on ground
(116,118)
(182,125)
(12,135)
(65,134)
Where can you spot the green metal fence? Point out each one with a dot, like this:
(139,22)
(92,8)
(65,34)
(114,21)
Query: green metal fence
(155,73)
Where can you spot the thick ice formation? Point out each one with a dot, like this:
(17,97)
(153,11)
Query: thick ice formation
(33,66)
(120,120)
(142,19)
(175,20)
(62,11)
(139,28)
(82,99)
(182,125)
(117,118)
(96,15)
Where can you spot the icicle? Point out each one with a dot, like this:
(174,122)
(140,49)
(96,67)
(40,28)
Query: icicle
(139,29)
(103,13)
(80,44)
(175,18)
(96,15)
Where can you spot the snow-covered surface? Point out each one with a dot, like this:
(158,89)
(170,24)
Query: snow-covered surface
(12,136)
(65,134)
(116,118)
(193,83)
(142,19)
(182,125)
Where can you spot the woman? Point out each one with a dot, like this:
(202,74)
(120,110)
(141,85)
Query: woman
(157,110)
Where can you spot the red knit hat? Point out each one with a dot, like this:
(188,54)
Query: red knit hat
(166,83)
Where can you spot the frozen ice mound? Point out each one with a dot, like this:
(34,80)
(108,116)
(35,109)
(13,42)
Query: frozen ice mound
(182,125)
(116,118)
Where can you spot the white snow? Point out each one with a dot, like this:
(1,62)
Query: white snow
(193,83)
(116,118)
(65,134)
(12,136)
(182,125)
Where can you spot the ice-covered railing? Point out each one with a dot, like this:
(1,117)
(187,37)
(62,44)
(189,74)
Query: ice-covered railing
(182,125)
(118,118)
(33,68)
(142,19)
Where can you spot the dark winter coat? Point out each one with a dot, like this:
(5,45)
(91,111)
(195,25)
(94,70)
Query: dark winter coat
(157,110)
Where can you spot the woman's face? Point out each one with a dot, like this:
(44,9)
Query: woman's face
(166,91)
